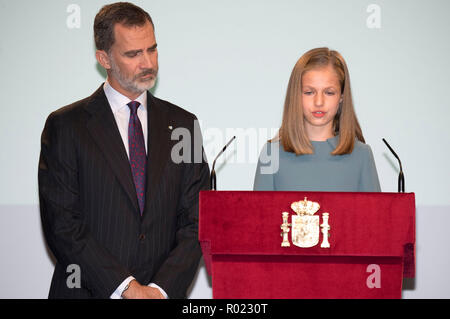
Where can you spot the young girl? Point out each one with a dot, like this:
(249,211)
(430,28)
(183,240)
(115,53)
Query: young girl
(320,145)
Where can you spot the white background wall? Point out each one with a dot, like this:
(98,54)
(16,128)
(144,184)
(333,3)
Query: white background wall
(229,63)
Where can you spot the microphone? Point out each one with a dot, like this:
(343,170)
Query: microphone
(213,172)
(401,178)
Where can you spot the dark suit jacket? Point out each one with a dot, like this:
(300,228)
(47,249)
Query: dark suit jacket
(89,208)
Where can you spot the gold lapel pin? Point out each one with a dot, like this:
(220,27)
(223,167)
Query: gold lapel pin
(170,127)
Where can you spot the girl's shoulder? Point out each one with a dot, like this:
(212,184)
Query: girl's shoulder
(271,146)
(362,149)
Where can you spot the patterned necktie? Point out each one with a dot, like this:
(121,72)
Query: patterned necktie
(138,158)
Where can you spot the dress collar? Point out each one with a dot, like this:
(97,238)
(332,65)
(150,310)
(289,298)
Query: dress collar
(333,141)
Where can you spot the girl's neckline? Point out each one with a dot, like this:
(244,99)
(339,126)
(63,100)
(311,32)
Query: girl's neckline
(327,140)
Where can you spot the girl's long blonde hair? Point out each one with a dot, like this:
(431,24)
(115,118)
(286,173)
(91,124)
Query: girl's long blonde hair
(292,133)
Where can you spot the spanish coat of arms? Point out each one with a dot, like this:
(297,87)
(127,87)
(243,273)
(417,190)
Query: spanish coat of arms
(305,225)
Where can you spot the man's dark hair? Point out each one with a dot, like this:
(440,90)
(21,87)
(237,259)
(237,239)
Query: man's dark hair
(124,13)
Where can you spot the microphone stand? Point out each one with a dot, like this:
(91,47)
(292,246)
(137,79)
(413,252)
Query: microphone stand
(401,177)
(213,172)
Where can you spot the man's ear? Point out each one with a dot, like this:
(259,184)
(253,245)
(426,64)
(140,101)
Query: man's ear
(103,59)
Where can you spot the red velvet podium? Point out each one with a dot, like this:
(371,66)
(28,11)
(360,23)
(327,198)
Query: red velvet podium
(240,235)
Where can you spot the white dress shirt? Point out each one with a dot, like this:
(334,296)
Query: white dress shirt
(121,112)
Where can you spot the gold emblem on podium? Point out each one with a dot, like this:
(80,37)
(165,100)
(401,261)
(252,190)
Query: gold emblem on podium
(305,225)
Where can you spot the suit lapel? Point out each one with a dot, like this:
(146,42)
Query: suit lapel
(103,129)
(158,144)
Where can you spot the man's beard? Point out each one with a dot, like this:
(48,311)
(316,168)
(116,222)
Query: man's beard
(134,84)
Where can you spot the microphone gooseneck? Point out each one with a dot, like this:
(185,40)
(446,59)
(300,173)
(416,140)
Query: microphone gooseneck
(212,179)
(401,177)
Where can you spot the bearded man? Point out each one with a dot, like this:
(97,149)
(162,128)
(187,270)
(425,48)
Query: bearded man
(113,201)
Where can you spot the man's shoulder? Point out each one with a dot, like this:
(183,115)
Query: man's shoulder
(75,110)
(69,113)
(70,109)
(173,110)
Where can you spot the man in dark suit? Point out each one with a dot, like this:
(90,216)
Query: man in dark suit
(115,199)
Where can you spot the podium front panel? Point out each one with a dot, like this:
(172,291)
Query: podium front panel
(240,235)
